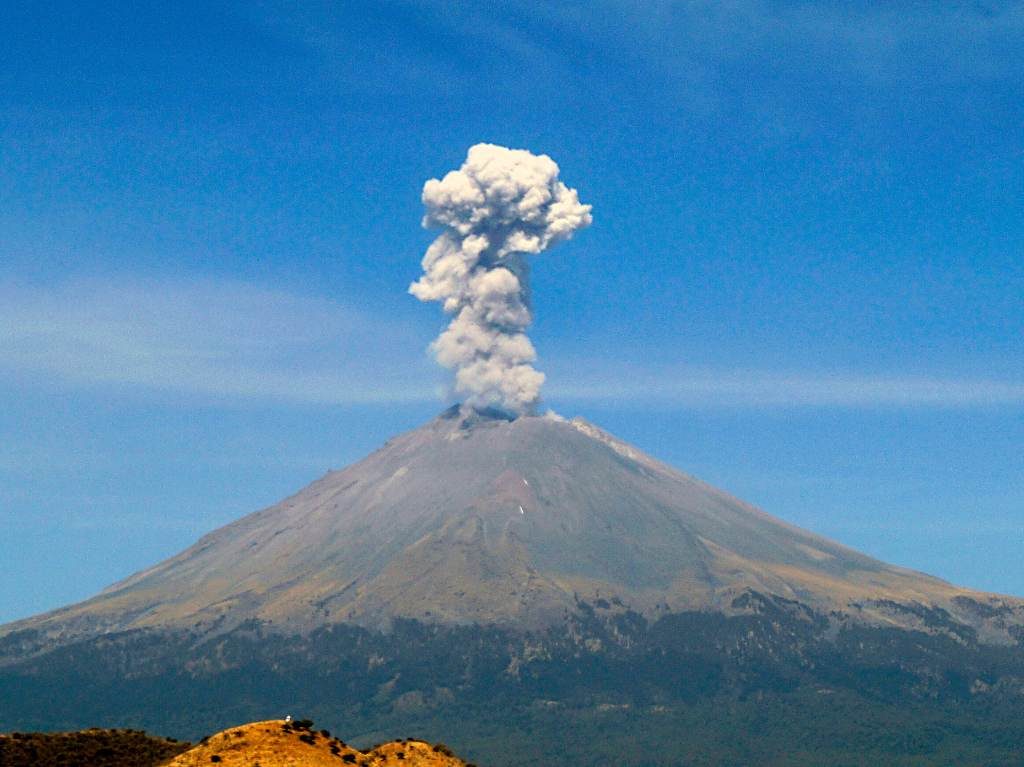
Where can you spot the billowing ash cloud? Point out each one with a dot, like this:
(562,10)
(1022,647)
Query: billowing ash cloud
(500,206)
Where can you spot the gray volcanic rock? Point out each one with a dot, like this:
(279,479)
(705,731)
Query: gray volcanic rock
(474,518)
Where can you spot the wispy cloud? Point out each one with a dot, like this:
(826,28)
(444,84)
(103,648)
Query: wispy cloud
(761,389)
(877,39)
(243,342)
(209,338)
(690,42)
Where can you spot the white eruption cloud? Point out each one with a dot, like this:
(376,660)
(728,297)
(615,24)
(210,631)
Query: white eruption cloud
(499,207)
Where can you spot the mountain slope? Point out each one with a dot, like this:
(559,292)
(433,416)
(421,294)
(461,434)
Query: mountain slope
(478,519)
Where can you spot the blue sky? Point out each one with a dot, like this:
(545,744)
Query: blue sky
(803,282)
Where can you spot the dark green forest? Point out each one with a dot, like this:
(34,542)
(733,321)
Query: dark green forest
(780,686)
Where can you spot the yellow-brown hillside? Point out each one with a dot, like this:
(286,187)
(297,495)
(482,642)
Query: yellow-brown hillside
(276,744)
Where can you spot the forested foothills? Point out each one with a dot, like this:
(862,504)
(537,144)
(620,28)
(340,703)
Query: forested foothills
(689,688)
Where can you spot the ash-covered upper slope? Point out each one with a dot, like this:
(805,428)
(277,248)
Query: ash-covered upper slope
(474,518)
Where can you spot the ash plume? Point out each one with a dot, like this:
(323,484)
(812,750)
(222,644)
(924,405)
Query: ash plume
(500,206)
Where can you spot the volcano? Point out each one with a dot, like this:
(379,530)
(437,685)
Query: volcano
(534,591)
(475,518)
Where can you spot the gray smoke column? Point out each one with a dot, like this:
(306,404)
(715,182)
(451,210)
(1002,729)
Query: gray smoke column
(500,206)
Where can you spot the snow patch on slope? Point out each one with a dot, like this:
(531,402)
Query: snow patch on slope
(604,437)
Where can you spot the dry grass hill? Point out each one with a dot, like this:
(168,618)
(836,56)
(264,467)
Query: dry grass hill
(277,743)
